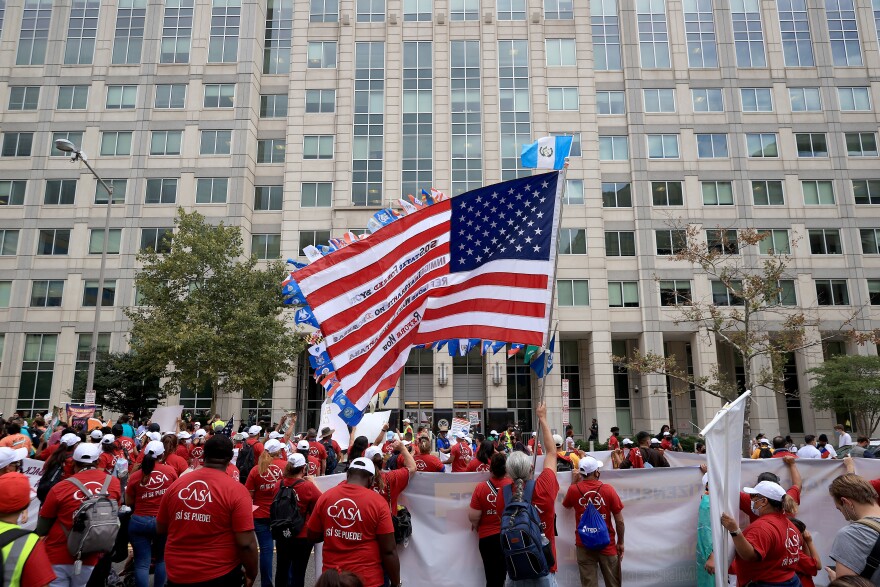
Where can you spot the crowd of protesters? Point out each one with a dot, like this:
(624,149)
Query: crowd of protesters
(230,489)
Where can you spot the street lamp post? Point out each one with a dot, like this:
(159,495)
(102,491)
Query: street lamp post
(77,155)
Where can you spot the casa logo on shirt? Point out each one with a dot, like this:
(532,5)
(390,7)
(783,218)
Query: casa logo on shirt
(93,486)
(792,541)
(195,495)
(345,513)
(313,451)
(595,498)
(273,473)
(156,480)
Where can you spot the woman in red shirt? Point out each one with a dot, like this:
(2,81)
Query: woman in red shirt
(390,484)
(109,453)
(294,552)
(485,518)
(484,456)
(262,482)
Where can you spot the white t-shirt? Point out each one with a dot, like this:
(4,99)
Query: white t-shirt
(569,443)
(844,440)
(809,451)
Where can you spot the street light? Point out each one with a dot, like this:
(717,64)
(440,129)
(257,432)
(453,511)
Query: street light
(76,155)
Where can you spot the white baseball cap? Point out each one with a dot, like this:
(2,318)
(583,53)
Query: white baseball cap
(627,441)
(12,455)
(200,433)
(184,435)
(275,435)
(372,451)
(667,434)
(154,448)
(154,436)
(302,445)
(588,464)
(70,439)
(255,429)
(363,464)
(96,434)
(407,421)
(557,440)
(767,489)
(494,433)
(272,445)
(86,453)
(460,434)
(108,439)
(296,460)
(655,441)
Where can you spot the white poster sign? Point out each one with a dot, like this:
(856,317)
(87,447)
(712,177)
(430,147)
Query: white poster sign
(166,417)
(330,418)
(371,424)
(459,424)
(34,470)
(565,391)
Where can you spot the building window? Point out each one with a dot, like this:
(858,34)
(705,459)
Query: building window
(613,148)
(797,46)
(72,98)
(90,293)
(72,136)
(610,103)
(620,243)
(606,35)
(5,295)
(805,99)
(727,294)
(328,11)
(459,10)
(616,195)
(786,294)
(53,241)
(671,242)
(667,193)
(708,100)
(170,96)
(317,195)
(273,106)
(322,54)
(811,145)
(659,100)
(368,140)
(854,99)
(119,187)
(560,52)
(319,101)
(762,145)
(371,10)
(717,193)
(858,144)
(82,29)
(467,138)
(723,242)
(712,146)
(663,147)
(866,191)
(225,23)
(844,32)
(129,37)
(513,78)
(756,99)
(774,242)
(417,156)
(574,191)
(84,350)
(575,142)
(818,193)
(870,241)
(623,294)
(275,150)
(161,191)
(8,242)
(34,33)
(211,190)
(558,9)
(653,33)
(266,246)
(215,142)
(60,192)
(17,144)
(825,241)
(748,33)
(176,31)
(573,292)
(832,292)
(511,9)
(562,98)
(121,97)
(675,292)
(12,192)
(572,241)
(37,370)
(157,240)
(312,238)
(767,193)
(268,197)
(874,291)
(699,26)
(219,95)
(47,293)
(116,144)
(96,241)
(165,142)
(24,97)
(318,147)
(279,33)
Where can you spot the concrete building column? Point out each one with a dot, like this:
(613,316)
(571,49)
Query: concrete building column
(815,421)
(704,351)
(598,396)
(442,393)
(765,410)
(654,410)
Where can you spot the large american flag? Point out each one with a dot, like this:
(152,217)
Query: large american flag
(479,265)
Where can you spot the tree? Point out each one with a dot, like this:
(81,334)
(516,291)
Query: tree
(850,383)
(123,384)
(210,319)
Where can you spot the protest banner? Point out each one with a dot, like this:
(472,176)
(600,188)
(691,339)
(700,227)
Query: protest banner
(166,417)
(78,414)
(34,470)
(371,424)
(459,424)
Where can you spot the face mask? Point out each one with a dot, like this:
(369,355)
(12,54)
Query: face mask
(755,510)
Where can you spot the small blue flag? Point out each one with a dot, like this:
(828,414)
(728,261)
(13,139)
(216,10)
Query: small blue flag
(304,315)
(347,410)
(546,153)
(543,360)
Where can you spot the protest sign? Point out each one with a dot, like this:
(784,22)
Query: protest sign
(166,417)
(371,424)
(78,415)
(330,418)
(459,424)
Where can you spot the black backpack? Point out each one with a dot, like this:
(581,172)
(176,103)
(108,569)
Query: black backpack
(285,519)
(564,464)
(245,461)
(49,479)
(332,461)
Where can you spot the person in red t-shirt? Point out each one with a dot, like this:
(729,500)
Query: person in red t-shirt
(110,453)
(390,484)
(354,524)
(15,496)
(793,492)
(209,522)
(313,465)
(262,482)
(461,453)
(769,549)
(613,443)
(254,440)
(480,463)
(425,461)
(316,449)
(485,519)
(197,449)
(588,489)
(56,514)
(810,562)
(144,492)
(183,448)
(294,551)
(531,443)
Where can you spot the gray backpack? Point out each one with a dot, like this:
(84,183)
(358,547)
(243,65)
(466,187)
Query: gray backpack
(95,523)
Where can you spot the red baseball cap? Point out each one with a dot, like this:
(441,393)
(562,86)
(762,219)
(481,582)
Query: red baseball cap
(15,493)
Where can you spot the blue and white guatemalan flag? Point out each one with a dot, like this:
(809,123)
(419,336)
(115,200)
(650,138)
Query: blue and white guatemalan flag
(546,153)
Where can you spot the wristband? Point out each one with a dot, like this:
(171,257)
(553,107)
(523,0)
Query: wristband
(735,534)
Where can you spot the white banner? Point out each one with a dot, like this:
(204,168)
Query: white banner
(34,470)
(371,425)
(166,417)
(330,418)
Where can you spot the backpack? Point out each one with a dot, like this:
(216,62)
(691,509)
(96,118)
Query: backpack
(120,469)
(592,529)
(522,542)
(49,480)
(636,459)
(245,461)
(563,463)
(285,518)
(765,453)
(95,523)
(332,461)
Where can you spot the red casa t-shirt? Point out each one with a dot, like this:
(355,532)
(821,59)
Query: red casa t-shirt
(264,486)
(460,455)
(61,502)
(388,448)
(476,465)
(613,443)
(745,502)
(428,464)
(604,499)
(107,460)
(257,445)
(544,499)
(233,473)
(485,500)
(317,450)
(307,494)
(145,496)
(350,517)
(129,445)
(197,455)
(532,447)
(778,543)
(314,467)
(395,482)
(209,505)
(182,451)
(178,464)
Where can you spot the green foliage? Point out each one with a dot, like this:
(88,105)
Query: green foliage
(123,384)
(210,319)
(850,383)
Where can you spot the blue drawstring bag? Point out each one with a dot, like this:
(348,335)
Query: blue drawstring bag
(592,529)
